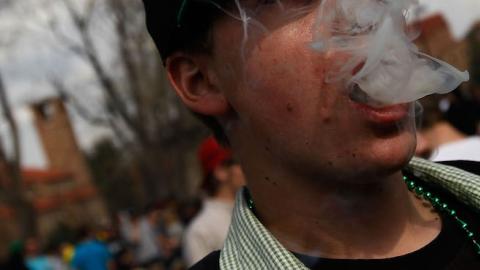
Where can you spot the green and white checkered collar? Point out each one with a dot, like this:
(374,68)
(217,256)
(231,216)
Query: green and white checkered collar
(249,245)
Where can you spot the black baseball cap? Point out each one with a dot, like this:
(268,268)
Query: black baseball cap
(179,24)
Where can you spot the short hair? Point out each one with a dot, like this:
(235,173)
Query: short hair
(185,25)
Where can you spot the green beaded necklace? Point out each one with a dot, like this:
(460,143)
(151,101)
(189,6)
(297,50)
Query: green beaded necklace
(442,207)
(420,192)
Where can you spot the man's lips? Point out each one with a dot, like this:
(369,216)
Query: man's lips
(383,115)
(375,111)
(357,68)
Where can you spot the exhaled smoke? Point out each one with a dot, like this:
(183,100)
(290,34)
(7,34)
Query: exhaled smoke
(383,64)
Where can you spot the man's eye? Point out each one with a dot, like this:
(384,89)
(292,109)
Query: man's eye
(357,29)
(286,3)
(267,2)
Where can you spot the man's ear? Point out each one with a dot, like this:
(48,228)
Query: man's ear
(195,84)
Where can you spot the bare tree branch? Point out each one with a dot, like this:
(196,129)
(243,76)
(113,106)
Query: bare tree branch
(65,40)
(108,85)
(90,10)
(79,108)
(126,57)
(7,113)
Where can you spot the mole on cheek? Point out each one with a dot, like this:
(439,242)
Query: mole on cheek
(289,107)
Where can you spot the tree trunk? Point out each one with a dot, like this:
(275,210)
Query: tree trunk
(16,195)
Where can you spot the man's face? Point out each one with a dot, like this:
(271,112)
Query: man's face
(284,112)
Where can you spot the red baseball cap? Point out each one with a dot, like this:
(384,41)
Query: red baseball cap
(211,154)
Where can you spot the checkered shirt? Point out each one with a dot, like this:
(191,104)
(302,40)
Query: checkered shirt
(249,245)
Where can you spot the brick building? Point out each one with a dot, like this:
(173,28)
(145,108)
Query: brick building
(63,193)
(436,40)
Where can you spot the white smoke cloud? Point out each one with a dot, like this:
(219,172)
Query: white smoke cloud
(373,33)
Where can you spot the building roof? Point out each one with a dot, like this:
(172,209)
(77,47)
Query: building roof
(432,23)
(76,194)
(39,176)
(54,201)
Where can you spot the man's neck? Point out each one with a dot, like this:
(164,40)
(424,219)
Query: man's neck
(381,219)
(225,194)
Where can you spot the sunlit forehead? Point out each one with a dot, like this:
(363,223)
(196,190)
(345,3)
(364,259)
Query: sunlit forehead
(251,7)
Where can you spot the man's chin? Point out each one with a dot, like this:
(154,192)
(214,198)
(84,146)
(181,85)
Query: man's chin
(376,166)
(391,163)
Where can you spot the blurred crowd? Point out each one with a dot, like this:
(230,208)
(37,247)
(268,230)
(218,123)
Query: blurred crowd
(449,126)
(167,235)
(148,239)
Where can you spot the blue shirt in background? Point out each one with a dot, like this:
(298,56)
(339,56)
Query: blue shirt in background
(91,255)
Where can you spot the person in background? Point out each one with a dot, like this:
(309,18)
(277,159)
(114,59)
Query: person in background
(16,256)
(438,139)
(189,210)
(91,254)
(170,234)
(222,178)
(141,233)
(67,251)
(54,258)
(121,254)
(35,260)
